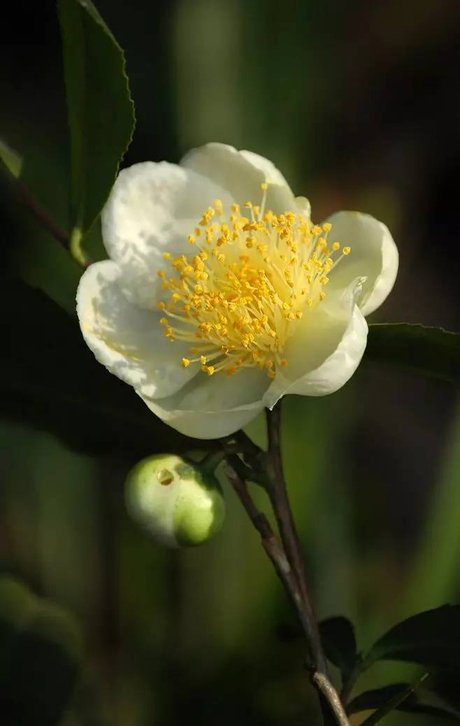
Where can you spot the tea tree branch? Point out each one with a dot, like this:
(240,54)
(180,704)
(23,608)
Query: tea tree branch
(278,496)
(268,538)
(277,492)
(287,560)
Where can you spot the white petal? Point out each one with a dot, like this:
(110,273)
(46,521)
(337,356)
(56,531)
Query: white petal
(126,339)
(213,406)
(271,173)
(241,173)
(322,355)
(152,208)
(303,206)
(374,255)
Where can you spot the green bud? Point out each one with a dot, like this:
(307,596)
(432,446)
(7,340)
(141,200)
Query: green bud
(177,502)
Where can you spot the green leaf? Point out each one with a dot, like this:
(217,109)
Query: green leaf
(40,654)
(428,351)
(339,643)
(100,109)
(430,638)
(10,159)
(50,379)
(402,697)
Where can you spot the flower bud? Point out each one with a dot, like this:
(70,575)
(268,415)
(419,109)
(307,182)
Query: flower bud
(177,502)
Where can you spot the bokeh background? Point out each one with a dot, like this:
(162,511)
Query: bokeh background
(359,104)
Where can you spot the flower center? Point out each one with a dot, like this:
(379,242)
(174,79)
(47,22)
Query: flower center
(252,276)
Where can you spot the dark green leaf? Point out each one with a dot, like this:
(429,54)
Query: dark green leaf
(389,705)
(339,643)
(50,379)
(431,638)
(100,109)
(40,651)
(431,352)
(10,159)
(37,175)
(420,701)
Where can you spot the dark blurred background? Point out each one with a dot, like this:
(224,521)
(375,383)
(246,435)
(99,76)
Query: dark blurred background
(358,104)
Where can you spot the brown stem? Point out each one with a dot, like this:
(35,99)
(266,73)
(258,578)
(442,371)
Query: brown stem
(267,536)
(56,231)
(246,471)
(251,453)
(279,498)
(42,215)
(330,698)
(330,701)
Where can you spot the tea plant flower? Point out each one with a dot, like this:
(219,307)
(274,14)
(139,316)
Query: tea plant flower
(221,295)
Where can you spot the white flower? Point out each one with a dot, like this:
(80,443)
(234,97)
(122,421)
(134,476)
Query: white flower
(221,295)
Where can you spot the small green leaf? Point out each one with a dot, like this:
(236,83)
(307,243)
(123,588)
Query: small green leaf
(50,379)
(339,643)
(40,654)
(10,159)
(428,351)
(430,638)
(100,109)
(401,696)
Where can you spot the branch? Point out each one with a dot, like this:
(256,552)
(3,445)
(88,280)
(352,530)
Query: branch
(331,697)
(281,507)
(267,536)
(330,701)
(277,491)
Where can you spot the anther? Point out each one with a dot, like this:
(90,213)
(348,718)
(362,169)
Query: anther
(238,309)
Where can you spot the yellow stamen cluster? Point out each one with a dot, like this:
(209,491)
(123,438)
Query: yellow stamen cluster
(252,276)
